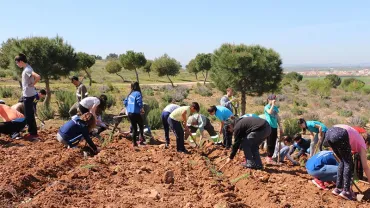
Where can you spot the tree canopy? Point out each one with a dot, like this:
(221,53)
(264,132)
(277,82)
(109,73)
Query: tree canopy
(251,70)
(147,67)
(113,67)
(85,62)
(192,68)
(334,79)
(52,58)
(203,63)
(166,66)
(291,76)
(132,60)
(112,56)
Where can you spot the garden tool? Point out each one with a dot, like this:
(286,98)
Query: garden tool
(117,120)
(42,123)
(359,196)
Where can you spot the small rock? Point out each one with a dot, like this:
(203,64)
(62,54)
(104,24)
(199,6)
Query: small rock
(169,177)
(162,146)
(154,194)
(138,171)
(182,188)
(189,205)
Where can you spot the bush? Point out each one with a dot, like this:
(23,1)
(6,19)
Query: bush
(358,121)
(65,100)
(366,90)
(258,112)
(6,92)
(147,91)
(45,112)
(334,80)
(298,111)
(291,76)
(281,98)
(346,98)
(154,119)
(111,101)
(320,87)
(312,116)
(300,102)
(203,91)
(178,93)
(2,74)
(286,115)
(352,84)
(345,113)
(331,122)
(291,127)
(152,102)
(203,111)
(110,87)
(259,101)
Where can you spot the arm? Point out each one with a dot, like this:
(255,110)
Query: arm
(139,101)
(89,141)
(292,149)
(83,92)
(280,126)
(291,159)
(222,127)
(363,159)
(184,120)
(36,77)
(237,143)
(269,111)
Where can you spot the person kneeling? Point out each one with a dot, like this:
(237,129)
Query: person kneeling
(14,121)
(323,167)
(78,128)
(285,147)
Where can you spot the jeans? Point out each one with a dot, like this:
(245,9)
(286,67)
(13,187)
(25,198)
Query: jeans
(326,173)
(179,133)
(29,113)
(166,127)
(12,127)
(136,119)
(251,144)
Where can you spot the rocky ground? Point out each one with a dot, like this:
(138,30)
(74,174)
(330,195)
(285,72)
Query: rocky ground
(44,174)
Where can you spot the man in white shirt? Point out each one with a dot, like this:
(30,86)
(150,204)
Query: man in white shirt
(29,80)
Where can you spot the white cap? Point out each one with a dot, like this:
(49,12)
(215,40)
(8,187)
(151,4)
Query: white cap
(2,102)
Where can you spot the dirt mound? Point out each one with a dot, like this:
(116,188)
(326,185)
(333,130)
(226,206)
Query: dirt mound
(43,174)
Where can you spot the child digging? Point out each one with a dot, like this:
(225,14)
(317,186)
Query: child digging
(284,151)
(317,131)
(303,145)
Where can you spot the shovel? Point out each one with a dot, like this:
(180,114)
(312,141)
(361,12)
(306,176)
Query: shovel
(359,196)
(42,123)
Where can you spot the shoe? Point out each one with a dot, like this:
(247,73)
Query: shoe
(255,167)
(347,195)
(15,135)
(167,145)
(184,151)
(319,184)
(336,191)
(31,138)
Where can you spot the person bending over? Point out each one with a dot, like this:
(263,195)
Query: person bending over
(223,114)
(13,121)
(302,144)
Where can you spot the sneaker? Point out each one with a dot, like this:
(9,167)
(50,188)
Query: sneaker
(15,135)
(336,191)
(31,138)
(347,195)
(167,145)
(319,184)
(255,167)
(184,151)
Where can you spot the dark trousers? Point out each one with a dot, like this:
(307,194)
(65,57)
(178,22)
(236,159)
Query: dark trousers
(251,143)
(29,113)
(271,142)
(228,137)
(166,127)
(136,119)
(11,127)
(179,133)
(208,127)
(82,109)
(338,140)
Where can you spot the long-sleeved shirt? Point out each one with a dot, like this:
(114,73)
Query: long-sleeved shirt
(198,121)
(81,92)
(242,128)
(134,102)
(225,102)
(321,159)
(302,145)
(74,131)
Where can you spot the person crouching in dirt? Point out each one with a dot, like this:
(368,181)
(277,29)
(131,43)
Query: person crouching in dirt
(317,131)
(14,121)
(302,144)
(76,129)
(177,120)
(249,132)
(323,167)
(285,148)
(344,140)
(223,114)
(165,114)
(201,122)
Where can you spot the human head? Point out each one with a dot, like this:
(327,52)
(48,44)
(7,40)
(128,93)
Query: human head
(194,107)
(75,81)
(362,131)
(42,93)
(270,98)
(21,60)
(89,119)
(135,86)
(229,92)
(297,137)
(212,110)
(302,123)
(103,102)
(288,140)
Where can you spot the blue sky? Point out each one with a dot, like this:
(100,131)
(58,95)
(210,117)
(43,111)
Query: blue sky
(303,32)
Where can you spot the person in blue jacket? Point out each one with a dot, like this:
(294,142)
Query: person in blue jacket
(223,114)
(134,106)
(323,167)
(76,129)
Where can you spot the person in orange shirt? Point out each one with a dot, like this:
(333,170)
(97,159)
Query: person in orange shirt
(13,121)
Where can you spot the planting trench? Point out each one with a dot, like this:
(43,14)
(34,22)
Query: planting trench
(43,174)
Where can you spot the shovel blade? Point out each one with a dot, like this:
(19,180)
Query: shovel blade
(359,197)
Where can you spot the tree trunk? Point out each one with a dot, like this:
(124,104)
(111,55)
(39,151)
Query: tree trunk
(203,74)
(121,77)
(170,81)
(48,92)
(243,101)
(88,76)
(205,78)
(137,76)
(196,76)
(20,84)
(149,74)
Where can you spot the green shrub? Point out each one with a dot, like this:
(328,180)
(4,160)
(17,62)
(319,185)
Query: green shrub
(345,113)
(346,98)
(110,87)
(203,91)
(295,87)
(111,101)
(203,111)
(291,127)
(366,90)
(65,100)
(352,84)
(334,80)
(154,119)
(312,116)
(2,74)
(331,122)
(300,102)
(45,112)
(358,121)
(320,87)
(178,93)
(297,111)
(6,92)
(152,102)
(147,91)
(259,101)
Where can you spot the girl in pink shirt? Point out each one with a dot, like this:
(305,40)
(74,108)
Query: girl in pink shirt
(344,140)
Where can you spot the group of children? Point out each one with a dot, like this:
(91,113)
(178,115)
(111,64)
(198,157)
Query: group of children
(249,130)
